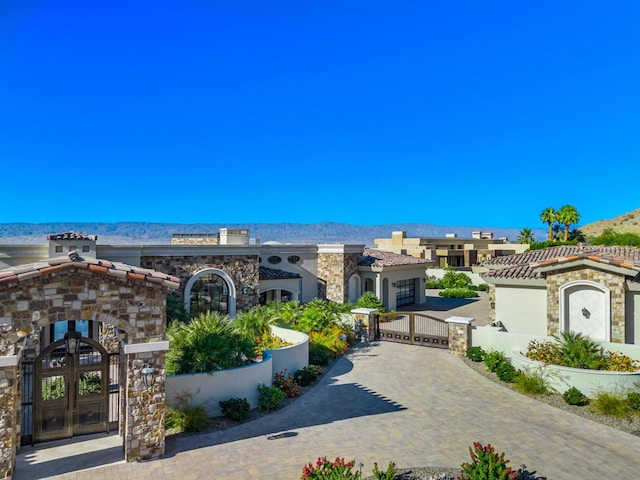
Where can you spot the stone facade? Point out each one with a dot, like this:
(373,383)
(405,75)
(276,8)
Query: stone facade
(129,299)
(492,302)
(243,270)
(334,271)
(459,334)
(615,283)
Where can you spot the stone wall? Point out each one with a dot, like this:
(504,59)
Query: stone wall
(459,334)
(492,302)
(243,270)
(615,283)
(9,431)
(334,271)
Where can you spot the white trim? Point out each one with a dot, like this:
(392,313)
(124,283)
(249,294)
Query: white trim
(364,311)
(9,361)
(145,347)
(462,320)
(231,307)
(340,248)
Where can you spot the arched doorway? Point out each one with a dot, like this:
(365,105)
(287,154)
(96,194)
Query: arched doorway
(354,288)
(210,290)
(71,389)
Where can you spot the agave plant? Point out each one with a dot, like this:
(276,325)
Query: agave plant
(578,351)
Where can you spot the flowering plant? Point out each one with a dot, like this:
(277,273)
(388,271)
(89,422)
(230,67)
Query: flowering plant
(326,470)
(486,463)
(388,474)
(287,384)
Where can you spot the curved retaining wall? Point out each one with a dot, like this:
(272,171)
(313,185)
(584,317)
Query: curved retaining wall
(589,382)
(210,388)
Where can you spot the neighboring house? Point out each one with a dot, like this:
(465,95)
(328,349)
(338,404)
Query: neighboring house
(229,272)
(450,251)
(593,290)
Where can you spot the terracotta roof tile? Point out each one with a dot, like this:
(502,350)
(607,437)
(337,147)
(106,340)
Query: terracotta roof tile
(526,265)
(22,273)
(377,258)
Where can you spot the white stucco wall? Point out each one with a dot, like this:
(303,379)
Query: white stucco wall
(632,308)
(475,278)
(522,310)
(294,357)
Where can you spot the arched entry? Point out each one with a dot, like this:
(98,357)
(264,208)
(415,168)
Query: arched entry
(585,308)
(210,290)
(71,390)
(354,288)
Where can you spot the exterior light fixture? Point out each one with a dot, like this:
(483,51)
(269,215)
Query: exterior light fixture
(246,290)
(72,342)
(148,375)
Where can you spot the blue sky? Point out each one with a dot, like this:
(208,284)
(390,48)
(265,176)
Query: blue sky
(450,113)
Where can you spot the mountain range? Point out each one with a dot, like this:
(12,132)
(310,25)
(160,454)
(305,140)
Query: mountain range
(325,232)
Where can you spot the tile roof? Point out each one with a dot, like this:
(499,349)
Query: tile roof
(21,273)
(266,273)
(377,258)
(72,236)
(526,265)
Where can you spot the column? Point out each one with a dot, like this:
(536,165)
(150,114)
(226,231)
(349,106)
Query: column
(9,398)
(459,334)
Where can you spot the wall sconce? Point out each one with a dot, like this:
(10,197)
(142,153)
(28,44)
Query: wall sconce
(246,290)
(586,313)
(148,375)
(72,342)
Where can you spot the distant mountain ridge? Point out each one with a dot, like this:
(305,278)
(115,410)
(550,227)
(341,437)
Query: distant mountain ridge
(625,223)
(160,233)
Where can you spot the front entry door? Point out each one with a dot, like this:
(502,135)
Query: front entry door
(71,391)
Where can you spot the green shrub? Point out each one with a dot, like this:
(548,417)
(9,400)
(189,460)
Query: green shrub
(453,279)
(90,382)
(323,469)
(370,300)
(475,354)
(577,351)
(53,388)
(319,354)
(432,282)
(531,382)
(388,474)
(307,375)
(486,464)
(573,396)
(270,397)
(235,409)
(186,417)
(612,404)
(506,372)
(633,399)
(458,293)
(286,383)
(493,359)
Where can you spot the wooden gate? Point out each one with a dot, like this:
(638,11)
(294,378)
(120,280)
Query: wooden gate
(413,328)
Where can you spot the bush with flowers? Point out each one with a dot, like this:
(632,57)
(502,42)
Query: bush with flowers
(324,469)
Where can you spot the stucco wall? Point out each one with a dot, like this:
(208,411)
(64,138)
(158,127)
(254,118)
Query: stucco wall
(294,357)
(521,310)
(633,316)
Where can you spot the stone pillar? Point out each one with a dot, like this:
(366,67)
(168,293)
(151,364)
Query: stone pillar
(459,334)
(145,404)
(9,427)
(367,316)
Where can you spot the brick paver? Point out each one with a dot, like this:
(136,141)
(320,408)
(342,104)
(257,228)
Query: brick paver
(413,405)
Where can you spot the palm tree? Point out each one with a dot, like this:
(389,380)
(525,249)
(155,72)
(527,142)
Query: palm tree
(567,216)
(548,216)
(577,235)
(526,236)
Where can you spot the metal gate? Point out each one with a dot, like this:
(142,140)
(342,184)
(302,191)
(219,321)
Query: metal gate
(64,395)
(413,328)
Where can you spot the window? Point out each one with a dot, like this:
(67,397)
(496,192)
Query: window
(274,259)
(209,293)
(293,259)
(58,248)
(85,248)
(405,292)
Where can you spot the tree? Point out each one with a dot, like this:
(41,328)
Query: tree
(526,236)
(577,235)
(567,216)
(548,216)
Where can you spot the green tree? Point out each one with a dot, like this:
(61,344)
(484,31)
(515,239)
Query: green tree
(610,237)
(526,236)
(577,235)
(567,216)
(548,216)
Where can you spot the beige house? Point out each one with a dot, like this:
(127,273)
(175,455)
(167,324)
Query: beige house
(594,290)
(450,251)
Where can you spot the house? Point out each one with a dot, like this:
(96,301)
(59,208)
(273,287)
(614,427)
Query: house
(593,290)
(450,251)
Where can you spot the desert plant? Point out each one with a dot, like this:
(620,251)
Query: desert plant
(388,474)
(186,417)
(613,404)
(307,375)
(531,382)
(324,469)
(486,464)
(208,342)
(578,351)
(237,409)
(370,300)
(270,397)
(475,354)
(287,383)
(573,396)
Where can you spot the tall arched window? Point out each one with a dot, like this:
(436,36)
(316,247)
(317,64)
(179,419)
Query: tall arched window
(209,293)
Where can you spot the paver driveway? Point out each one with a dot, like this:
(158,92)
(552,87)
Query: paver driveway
(413,405)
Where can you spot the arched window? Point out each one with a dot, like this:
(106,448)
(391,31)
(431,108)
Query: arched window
(209,293)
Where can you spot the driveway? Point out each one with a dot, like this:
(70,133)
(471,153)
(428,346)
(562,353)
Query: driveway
(442,308)
(413,405)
